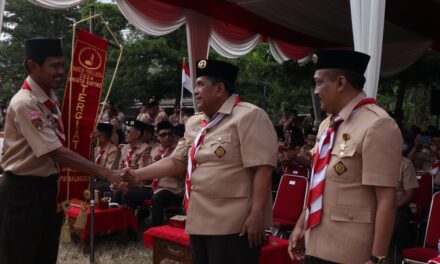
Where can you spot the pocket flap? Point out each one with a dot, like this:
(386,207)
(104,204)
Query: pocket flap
(350,214)
(222,138)
(349,150)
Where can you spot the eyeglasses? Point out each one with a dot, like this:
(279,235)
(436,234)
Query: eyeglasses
(164,134)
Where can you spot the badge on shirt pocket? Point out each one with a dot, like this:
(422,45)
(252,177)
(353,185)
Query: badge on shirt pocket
(340,168)
(35,118)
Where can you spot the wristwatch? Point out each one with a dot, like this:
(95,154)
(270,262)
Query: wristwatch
(379,259)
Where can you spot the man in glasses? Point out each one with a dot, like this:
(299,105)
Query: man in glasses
(168,191)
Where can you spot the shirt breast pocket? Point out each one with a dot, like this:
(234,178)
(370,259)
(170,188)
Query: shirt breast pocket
(344,164)
(220,147)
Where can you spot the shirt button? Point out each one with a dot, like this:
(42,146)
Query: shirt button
(197,165)
(201,146)
(192,188)
(219,139)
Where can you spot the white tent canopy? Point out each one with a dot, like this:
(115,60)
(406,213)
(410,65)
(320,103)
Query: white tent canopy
(291,28)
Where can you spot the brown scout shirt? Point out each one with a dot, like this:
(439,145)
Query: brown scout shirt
(221,193)
(110,157)
(139,158)
(174,184)
(372,158)
(30,134)
(408,178)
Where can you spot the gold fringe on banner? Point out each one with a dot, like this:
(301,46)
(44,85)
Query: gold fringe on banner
(65,232)
(81,220)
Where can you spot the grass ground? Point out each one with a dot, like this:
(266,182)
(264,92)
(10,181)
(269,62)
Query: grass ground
(110,249)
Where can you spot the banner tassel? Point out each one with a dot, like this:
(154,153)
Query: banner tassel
(81,220)
(65,232)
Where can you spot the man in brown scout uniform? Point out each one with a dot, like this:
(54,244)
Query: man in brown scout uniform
(107,153)
(135,154)
(29,222)
(350,218)
(228,167)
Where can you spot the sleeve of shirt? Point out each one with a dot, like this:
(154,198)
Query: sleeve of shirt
(409,177)
(180,152)
(258,139)
(382,154)
(36,129)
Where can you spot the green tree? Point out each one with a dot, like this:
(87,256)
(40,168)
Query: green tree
(24,20)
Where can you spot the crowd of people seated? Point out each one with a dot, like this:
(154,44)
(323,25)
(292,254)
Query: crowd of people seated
(136,143)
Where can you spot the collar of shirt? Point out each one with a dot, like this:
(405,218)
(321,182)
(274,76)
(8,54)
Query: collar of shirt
(38,92)
(346,111)
(226,108)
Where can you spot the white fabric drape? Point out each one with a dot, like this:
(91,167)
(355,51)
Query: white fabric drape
(231,41)
(152,17)
(368,18)
(57,4)
(2,9)
(282,51)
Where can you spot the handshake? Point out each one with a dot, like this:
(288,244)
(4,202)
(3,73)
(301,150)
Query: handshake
(126,175)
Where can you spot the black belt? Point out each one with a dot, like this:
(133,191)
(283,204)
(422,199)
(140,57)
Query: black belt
(8,175)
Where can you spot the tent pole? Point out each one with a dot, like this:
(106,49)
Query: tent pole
(92,178)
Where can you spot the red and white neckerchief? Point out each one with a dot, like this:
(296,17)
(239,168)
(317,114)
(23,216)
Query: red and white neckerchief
(320,165)
(98,159)
(162,153)
(195,148)
(129,157)
(56,114)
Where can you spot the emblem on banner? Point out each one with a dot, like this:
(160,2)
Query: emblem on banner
(90,58)
(202,64)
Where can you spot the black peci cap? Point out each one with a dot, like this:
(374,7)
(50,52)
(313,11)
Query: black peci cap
(137,124)
(43,48)
(105,127)
(164,125)
(341,59)
(219,69)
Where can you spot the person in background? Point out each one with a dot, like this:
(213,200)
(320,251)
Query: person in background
(106,153)
(175,117)
(405,191)
(135,154)
(168,191)
(155,114)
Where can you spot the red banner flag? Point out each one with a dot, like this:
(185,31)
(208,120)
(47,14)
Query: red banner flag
(87,76)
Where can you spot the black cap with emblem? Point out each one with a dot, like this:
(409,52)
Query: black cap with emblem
(217,69)
(137,124)
(341,59)
(42,48)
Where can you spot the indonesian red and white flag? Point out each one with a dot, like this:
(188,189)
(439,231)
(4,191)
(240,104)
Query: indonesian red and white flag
(186,79)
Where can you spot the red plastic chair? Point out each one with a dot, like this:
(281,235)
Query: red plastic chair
(421,201)
(298,170)
(429,249)
(289,202)
(423,195)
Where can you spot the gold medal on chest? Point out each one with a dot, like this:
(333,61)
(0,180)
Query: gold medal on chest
(220,152)
(342,148)
(340,168)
